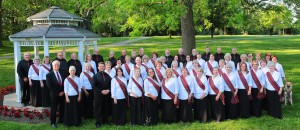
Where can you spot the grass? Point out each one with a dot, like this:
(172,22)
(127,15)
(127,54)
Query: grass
(287,48)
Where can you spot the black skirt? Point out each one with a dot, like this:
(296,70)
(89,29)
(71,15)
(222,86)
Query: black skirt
(217,108)
(185,111)
(45,95)
(87,104)
(72,114)
(244,105)
(169,111)
(256,103)
(274,105)
(119,112)
(35,93)
(200,110)
(230,109)
(136,110)
(151,111)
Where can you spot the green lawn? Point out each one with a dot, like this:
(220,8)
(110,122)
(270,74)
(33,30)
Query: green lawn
(286,47)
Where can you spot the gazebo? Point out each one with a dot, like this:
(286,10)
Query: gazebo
(52,27)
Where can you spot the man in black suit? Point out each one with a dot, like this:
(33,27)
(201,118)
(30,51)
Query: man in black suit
(235,57)
(55,82)
(64,68)
(181,56)
(206,54)
(76,63)
(22,70)
(169,58)
(112,59)
(122,57)
(219,55)
(96,57)
(102,96)
(133,56)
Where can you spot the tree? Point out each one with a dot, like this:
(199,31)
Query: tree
(1,34)
(187,28)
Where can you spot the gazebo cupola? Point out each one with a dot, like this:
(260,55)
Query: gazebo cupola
(53,27)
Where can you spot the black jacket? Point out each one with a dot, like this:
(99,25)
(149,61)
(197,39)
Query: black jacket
(23,68)
(53,85)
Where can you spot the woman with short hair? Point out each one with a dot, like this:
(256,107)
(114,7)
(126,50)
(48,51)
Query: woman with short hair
(72,89)
(34,83)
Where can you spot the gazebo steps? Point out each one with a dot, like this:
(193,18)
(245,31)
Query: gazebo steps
(10,101)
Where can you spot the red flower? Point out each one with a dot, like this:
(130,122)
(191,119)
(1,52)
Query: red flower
(4,108)
(12,109)
(31,116)
(26,114)
(17,114)
(5,113)
(38,114)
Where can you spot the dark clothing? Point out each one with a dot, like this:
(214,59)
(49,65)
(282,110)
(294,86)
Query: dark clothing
(219,56)
(56,100)
(230,109)
(141,56)
(119,112)
(35,94)
(185,111)
(63,68)
(169,111)
(102,81)
(77,64)
(244,105)
(136,110)
(274,105)
(22,70)
(205,56)
(181,58)
(132,60)
(256,104)
(87,104)
(122,58)
(217,108)
(200,109)
(97,59)
(151,111)
(235,58)
(113,61)
(193,57)
(45,95)
(72,112)
(169,60)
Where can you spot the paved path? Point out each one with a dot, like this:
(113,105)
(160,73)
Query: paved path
(125,43)
(6,57)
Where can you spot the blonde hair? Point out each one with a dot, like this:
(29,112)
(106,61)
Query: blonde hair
(169,70)
(72,68)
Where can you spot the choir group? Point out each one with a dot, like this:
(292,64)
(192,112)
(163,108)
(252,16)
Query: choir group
(199,87)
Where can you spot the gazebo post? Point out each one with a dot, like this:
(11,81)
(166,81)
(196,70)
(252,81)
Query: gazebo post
(46,48)
(36,50)
(17,56)
(95,45)
(64,51)
(80,51)
(86,50)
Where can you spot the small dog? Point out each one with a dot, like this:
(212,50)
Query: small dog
(288,93)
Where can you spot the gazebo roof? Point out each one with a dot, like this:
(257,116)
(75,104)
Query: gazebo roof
(54,13)
(55,31)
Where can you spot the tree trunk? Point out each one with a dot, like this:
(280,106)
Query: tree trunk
(187,28)
(1,36)
(212,30)
(225,30)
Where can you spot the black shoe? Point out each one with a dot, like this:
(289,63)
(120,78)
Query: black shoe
(53,125)
(98,125)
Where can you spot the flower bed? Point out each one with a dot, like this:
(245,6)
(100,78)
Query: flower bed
(6,90)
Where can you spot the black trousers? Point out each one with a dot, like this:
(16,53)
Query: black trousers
(256,103)
(72,115)
(57,102)
(185,111)
(35,94)
(200,109)
(151,111)
(169,111)
(274,105)
(25,91)
(230,109)
(217,108)
(102,107)
(45,95)
(87,104)
(244,105)
(119,112)
(136,110)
